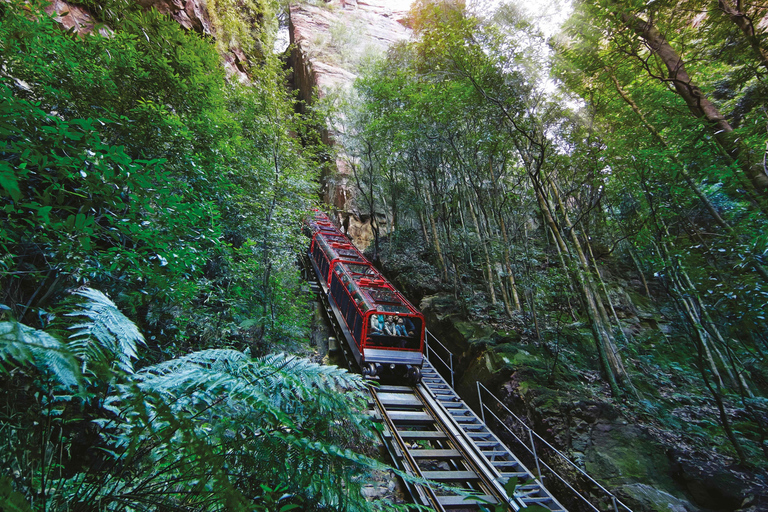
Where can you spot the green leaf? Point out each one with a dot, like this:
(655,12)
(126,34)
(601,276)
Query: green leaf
(12,501)
(21,345)
(8,180)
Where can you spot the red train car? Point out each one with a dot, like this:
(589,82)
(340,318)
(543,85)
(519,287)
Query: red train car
(384,332)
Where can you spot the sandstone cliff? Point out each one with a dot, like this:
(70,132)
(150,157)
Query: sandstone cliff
(190,14)
(329,42)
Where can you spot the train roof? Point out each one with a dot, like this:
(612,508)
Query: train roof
(370,288)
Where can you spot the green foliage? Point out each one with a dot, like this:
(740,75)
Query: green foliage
(210,430)
(129,163)
(107,334)
(12,501)
(24,345)
(581,193)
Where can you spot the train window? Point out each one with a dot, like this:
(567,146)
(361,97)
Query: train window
(363,303)
(358,330)
(349,254)
(385,296)
(411,341)
(389,308)
(365,270)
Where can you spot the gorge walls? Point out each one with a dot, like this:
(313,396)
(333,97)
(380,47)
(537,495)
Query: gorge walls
(329,43)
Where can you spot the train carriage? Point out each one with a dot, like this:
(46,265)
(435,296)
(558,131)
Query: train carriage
(364,302)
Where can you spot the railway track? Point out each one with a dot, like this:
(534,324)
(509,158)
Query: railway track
(434,436)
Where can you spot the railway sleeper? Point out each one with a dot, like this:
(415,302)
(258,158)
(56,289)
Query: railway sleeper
(436,454)
(399,400)
(422,435)
(410,418)
(451,476)
(462,502)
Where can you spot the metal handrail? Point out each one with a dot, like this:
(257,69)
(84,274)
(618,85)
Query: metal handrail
(532,450)
(429,350)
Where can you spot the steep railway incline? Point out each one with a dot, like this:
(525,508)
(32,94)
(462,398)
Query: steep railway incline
(431,433)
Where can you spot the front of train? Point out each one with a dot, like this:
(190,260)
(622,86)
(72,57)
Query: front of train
(393,345)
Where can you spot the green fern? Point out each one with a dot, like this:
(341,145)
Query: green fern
(200,432)
(108,337)
(281,417)
(21,345)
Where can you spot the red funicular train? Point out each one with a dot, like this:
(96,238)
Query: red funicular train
(385,333)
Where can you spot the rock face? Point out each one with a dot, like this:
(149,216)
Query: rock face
(328,43)
(191,14)
(330,40)
(72,16)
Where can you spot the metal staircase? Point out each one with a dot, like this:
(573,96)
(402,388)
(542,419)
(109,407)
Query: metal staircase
(486,444)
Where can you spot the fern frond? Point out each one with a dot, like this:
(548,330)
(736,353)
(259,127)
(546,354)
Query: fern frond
(209,375)
(22,345)
(107,336)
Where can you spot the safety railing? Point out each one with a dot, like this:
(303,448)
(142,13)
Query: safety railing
(433,355)
(607,498)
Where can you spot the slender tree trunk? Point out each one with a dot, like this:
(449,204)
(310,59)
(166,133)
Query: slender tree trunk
(698,103)
(438,249)
(746,26)
(507,265)
(427,238)
(504,294)
(724,421)
(640,272)
(467,248)
(484,244)
(436,237)
(604,287)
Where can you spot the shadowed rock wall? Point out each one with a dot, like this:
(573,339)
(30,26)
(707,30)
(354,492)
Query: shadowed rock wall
(328,43)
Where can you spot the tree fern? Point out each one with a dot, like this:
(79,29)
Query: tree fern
(108,337)
(21,345)
(205,431)
(281,419)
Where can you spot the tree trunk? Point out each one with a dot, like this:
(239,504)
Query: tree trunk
(744,23)
(507,266)
(697,102)
(484,244)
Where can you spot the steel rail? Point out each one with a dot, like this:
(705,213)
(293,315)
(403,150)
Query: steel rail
(425,494)
(464,480)
(471,458)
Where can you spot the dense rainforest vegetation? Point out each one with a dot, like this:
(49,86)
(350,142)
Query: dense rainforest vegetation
(150,227)
(620,163)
